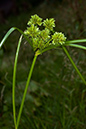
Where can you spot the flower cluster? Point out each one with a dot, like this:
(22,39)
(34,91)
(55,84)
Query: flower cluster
(49,24)
(32,31)
(58,38)
(42,39)
(35,19)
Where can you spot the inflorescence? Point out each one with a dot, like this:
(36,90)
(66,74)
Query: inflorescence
(43,38)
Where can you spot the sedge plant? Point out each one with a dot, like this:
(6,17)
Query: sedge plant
(41,36)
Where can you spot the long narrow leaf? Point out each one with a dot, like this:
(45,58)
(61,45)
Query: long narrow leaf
(76,45)
(15,64)
(76,41)
(49,48)
(26,37)
(14,80)
(6,36)
(10,31)
(26,88)
(72,62)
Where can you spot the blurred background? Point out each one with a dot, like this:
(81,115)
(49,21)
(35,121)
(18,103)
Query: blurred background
(56,97)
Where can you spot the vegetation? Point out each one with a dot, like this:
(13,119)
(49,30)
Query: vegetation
(50,101)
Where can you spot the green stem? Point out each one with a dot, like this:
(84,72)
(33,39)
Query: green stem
(72,62)
(14,78)
(26,88)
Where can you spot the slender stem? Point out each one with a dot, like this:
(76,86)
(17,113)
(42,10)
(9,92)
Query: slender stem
(26,88)
(14,78)
(72,62)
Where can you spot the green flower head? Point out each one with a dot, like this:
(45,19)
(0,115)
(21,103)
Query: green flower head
(32,31)
(41,37)
(36,20)
(35,43)
(49,23)
(38,43)
(58,38)
(44,34)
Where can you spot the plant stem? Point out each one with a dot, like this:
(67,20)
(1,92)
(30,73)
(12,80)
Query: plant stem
(26,88)
(14,78)
(72,62)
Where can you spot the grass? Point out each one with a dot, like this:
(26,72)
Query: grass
(54,102)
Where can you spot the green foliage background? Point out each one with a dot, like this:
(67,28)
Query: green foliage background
(56,96)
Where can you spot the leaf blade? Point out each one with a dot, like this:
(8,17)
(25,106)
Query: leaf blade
(9,32)
(75,41)
(77,46)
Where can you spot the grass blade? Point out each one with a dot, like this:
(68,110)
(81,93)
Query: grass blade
(15,64)
(49,48)
(76,45)
(76,41)
(26,37)
(6,36)
(10,31)
(25,91)
(14,79)
(72,62)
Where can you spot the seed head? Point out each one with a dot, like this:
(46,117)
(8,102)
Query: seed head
(36,20)
(49,23)
(32,31)
(58,38)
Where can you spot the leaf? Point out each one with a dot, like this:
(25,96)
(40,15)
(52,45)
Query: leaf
(75,41)
(6,36)
(72,62)
(10,31)
(78,46)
